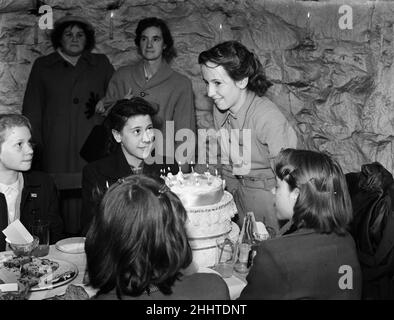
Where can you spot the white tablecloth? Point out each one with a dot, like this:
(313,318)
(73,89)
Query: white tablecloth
(236,283)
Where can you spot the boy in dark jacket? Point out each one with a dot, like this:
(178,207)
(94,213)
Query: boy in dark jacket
(24,195)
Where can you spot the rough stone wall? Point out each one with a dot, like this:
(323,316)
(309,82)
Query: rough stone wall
(334,85)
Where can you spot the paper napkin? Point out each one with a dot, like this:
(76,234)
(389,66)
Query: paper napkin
(17,233)
(262,233)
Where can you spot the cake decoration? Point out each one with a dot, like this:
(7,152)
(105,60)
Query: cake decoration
(209,208)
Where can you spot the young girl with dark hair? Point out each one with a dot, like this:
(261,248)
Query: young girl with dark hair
(137,246)
(131,123)
(236,83)
(316,257)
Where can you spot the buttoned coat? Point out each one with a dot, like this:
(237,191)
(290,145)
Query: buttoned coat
(55,102)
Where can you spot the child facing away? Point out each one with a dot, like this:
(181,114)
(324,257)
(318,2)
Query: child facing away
(316,257)
(137,246)
(25,195)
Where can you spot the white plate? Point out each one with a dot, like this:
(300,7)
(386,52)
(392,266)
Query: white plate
(10,275)
(63,267)
(71,245)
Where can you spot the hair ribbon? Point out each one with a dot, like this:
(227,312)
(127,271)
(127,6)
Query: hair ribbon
(163,189)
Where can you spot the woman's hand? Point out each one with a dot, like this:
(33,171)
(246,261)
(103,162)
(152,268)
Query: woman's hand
(129,94)
(100,109)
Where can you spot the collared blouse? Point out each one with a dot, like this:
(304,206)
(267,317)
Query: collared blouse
(269,130)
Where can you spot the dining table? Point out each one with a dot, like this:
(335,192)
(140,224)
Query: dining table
(235,283)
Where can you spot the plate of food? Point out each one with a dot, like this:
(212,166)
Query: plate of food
(71,245)
(37,273)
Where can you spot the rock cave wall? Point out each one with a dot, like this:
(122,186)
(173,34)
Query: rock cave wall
(335,85)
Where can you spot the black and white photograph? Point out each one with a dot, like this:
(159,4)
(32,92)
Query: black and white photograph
(196,156)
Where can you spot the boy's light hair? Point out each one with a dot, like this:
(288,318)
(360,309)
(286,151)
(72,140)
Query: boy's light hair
(11,120)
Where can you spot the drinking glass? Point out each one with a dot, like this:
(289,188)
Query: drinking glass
(40,229)
(225,257)
(243,259)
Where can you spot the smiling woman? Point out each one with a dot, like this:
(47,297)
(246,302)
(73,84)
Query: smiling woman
(237,85)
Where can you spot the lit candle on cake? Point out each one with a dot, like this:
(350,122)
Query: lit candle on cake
(308,23)
(111,25)
(220,32)
(179,176)
(191,165)
(208,175)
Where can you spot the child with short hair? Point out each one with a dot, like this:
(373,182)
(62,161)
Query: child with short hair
(24,195)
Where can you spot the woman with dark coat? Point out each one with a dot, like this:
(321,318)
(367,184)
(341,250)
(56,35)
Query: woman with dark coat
(316,258)
(60,98)
(60,91)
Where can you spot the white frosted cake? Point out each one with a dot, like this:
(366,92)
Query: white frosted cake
(209,210)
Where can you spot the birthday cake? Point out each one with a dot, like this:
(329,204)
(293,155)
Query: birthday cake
(196,190)
(209,208)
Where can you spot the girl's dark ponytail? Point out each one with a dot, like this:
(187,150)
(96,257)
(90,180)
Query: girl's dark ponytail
(258,82)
